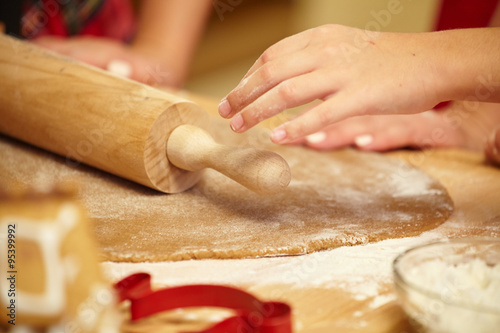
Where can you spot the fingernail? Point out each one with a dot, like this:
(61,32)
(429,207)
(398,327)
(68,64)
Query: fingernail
(120,68)
(278,134)
(237,122)
(316,137)
(363,140)
(224,108)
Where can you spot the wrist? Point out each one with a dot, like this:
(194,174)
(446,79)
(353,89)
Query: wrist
(445,71)
(468,69)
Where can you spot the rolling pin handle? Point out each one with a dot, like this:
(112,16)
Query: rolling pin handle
(191,148)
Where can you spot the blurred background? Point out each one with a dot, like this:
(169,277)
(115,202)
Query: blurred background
(240,30)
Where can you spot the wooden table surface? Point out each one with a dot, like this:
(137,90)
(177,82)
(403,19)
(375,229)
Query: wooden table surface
(325,307)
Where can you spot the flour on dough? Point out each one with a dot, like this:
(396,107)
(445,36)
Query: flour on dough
(338,198)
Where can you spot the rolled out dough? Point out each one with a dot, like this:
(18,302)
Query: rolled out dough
(337,198)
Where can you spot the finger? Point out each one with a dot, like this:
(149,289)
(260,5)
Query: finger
(332,110)
(75,48)
(283,47)
(385,132)
(323,140)
(120,68)
(363,135)
(365,132)
(422,130)
(340,134)
(384,140)
(297,142)
(290,93)
(266,78)
(146,71)
(53,43)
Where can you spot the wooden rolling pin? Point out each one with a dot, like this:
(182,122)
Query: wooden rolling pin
(118,125)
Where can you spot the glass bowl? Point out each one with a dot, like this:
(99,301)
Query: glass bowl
(451,285)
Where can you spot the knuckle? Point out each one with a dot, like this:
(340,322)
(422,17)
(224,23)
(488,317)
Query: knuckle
(235,99)
(267,56)
(325,30)
(287,91)
(253,116)
(266,73)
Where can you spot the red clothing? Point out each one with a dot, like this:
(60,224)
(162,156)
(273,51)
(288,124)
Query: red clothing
(105,18)
(115,18)
(462,14)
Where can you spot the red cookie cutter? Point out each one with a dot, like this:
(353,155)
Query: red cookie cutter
(253,315)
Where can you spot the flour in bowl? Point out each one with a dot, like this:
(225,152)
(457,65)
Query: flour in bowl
(467,295)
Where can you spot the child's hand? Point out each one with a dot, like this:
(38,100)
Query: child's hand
(354,72)
(388,132)
(115,56)
(456,126)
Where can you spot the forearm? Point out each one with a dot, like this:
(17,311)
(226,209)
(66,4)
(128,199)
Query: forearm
(170,29)
(470,64)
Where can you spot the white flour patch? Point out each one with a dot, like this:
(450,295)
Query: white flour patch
(363,271)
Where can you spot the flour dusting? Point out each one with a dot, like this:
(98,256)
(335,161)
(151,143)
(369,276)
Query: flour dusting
(363,271)
(335,199)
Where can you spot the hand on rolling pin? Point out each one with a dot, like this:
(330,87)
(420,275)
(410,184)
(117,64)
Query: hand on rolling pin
(162,48)
(356,72)
(115,56)
(96,51)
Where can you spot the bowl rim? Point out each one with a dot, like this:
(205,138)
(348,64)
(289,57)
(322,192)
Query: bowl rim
(398,277)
